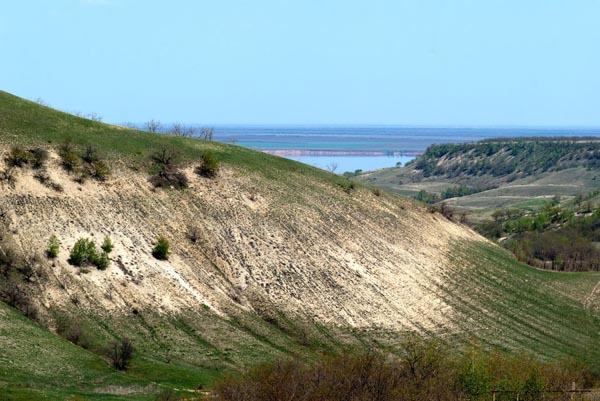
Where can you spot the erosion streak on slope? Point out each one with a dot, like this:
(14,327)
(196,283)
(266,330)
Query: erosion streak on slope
(344,260)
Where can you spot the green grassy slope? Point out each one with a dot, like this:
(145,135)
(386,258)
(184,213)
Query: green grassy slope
(495,299)
(28,123)
(38,365)
(527,309)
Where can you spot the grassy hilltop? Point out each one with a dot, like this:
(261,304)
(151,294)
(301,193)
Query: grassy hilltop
(286,261)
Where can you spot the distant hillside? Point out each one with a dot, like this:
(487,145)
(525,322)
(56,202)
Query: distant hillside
(508,160)
(483,176)
(268,258)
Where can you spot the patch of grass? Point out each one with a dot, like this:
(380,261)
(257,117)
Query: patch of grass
(520,308)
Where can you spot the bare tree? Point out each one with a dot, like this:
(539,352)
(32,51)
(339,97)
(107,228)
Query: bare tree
(94,117)
(153,125)
(166,157)
(207,133)
(121,353)
(331,167)
(190,132)
(177,129)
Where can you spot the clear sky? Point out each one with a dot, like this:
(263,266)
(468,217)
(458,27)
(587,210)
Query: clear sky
(420,62)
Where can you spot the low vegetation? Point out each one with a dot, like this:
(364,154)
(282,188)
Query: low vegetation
(165,171)
(107,245)
(85,253)
(86,165)
(422,370)
(209,165)
(121,353)
(17,272)
(515,158)
(555,238)
(161,249)
(53,247)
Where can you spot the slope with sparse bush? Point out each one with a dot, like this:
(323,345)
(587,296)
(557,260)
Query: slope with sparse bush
(282,259)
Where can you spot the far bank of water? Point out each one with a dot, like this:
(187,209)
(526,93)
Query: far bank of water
(352,163)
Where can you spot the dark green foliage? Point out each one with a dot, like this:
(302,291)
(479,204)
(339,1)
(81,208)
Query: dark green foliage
(107,245)
(563,249)
(427,197)
(18,157)
(350,174)
(161,249)
(458,191)
(533,388)
(554,238)
(98,170)
(474,379)
(102,261)
(85,253)
(69,158)
(89,165)
(53,247)
(516,158)
(209,165)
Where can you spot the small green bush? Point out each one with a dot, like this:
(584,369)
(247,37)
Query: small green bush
(99,170)
(347,185)
(53,247)
(102,261)
(107,245)
(70,161)
(161,249)
(18,157)
(90,154)
(84,252)
(209,165)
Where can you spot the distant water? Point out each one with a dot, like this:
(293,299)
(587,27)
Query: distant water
(367,147)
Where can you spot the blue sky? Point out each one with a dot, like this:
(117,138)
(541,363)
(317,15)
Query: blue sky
(421,62)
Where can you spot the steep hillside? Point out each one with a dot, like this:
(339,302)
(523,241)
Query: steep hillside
(287,259)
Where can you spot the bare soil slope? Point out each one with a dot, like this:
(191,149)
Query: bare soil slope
(314,251)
